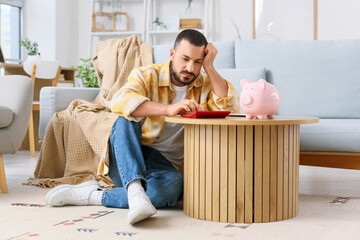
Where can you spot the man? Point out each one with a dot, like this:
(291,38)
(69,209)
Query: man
(145,152)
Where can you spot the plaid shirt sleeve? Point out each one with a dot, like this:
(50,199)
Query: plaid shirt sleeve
(131,95)
(231,102)
(214,102)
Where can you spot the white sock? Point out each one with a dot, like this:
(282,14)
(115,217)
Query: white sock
(140,206)
(135,187)
(95,198)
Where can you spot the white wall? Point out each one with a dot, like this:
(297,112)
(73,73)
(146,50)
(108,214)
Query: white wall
(232,14)
(66,33)
(339,19)
(84,27)
(62,27)
(53,25)
(39,25)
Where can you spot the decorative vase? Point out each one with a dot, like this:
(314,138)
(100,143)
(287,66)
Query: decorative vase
(33,57)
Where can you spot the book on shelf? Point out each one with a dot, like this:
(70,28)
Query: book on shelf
(62,77)
(190,23)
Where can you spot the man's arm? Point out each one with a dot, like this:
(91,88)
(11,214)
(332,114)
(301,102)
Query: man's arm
(219,84)
(149,108)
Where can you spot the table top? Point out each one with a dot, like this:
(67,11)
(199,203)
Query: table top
(20,66)
(232,120)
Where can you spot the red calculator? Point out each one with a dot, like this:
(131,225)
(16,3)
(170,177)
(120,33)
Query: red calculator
(206,114)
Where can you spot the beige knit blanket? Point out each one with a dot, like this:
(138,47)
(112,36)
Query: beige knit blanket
(76,137)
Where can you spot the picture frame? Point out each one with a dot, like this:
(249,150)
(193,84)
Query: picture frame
(110,22)
(121,22)
(274,20)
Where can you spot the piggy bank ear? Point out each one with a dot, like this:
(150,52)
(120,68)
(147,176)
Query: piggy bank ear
(262,83)
(244,82)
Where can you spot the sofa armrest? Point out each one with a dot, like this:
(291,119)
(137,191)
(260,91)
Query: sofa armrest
(56,99)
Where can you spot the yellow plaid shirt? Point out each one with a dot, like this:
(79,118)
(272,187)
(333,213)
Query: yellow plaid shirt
(153,83)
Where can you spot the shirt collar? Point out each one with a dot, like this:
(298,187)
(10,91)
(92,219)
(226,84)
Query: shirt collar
(165,79)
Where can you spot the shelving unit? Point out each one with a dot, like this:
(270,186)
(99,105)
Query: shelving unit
(105,35)
(116,33)
(149,13)
(152,12)
(154,32)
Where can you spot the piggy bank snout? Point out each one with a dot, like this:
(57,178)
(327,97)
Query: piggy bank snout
(246,99)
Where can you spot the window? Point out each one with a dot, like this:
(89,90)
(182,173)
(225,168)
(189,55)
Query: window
(10,29)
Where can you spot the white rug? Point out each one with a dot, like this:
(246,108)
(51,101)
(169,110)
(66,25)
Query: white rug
(24,216)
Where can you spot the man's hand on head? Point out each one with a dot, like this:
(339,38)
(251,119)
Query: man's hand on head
(210,54)
(219,84)
(183,106)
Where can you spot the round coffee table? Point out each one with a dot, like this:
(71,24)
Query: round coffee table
(238,170)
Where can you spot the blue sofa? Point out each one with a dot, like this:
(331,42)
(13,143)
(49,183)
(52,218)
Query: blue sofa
(315,78)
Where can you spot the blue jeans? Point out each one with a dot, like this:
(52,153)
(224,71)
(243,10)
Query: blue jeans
(130,160)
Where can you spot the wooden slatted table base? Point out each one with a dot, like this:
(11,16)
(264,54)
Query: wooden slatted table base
(241,172)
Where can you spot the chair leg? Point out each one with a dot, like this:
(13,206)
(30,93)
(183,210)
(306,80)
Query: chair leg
(31,123)
(56,79)
(31,136)
(3,184)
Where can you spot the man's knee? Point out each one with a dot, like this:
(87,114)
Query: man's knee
(123,122)
(123,126)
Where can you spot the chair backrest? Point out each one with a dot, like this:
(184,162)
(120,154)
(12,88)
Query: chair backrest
(16,93)
(44,69)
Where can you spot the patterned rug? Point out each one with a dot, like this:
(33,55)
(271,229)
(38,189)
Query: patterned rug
(24,215)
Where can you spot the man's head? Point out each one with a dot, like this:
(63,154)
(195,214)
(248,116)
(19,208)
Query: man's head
(187,57)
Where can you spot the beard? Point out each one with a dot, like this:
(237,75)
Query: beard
(177,77)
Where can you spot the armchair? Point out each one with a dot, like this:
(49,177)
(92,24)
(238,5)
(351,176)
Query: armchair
(16,94)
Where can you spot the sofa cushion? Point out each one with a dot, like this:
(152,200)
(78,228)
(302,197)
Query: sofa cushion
(161,53)
(331,135)
(234,75)
(315,78)
(56,99)
(6,116)
(224,59)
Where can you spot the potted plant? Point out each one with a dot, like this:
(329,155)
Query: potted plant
(86,72)
(31,47)
(189,5)
(116,5)
(159,23)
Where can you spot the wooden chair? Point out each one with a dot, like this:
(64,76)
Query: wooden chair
(40,69)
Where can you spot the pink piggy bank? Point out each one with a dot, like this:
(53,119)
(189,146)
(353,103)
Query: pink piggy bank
(259,99)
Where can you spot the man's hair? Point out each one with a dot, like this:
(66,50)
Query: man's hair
(194,37)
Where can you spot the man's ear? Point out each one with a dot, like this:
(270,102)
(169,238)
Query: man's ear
(172,53)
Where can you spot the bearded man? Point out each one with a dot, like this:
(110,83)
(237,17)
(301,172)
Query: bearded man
(146,154)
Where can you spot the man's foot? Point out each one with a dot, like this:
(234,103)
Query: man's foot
(71,194)
(140,207)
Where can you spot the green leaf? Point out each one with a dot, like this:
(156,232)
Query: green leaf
(86,73)
(31,47)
